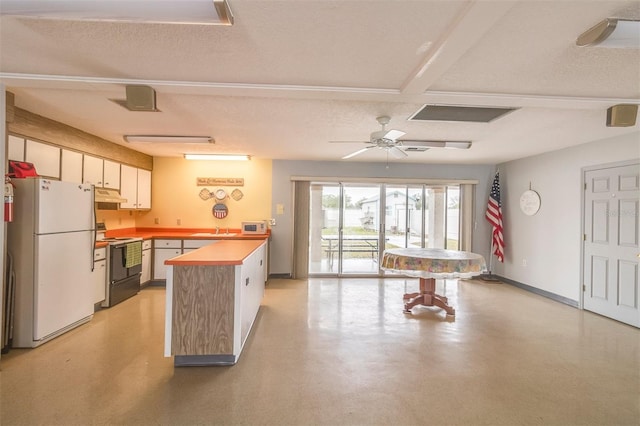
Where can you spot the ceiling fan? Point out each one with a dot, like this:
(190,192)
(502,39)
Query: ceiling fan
(388,141)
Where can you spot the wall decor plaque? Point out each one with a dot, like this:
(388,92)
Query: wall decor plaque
(205,194)
(219,211)
(236,194)
(206,181)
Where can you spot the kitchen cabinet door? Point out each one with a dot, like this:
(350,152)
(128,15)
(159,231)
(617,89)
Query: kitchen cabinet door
(159,256)
(92,170)
(251,290)
(129,186)
(99,275)
(111,175)
(15,149)
(145,276)
(144,189)
(71,166)
(45,158)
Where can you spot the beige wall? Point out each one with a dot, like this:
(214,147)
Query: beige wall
(175,195)
(117,219)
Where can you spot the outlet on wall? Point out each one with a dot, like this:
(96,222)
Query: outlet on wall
(156,221)
(178,222)
(524,262)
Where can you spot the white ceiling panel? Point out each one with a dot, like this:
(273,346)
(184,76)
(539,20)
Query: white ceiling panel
(290,76)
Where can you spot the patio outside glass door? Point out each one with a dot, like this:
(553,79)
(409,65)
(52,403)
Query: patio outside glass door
(343,229)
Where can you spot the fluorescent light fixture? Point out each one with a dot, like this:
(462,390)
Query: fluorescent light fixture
(179,139)
(216,157)
(198,12)
(612,32)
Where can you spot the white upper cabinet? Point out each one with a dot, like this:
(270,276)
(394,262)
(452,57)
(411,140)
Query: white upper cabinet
(144,189)
(15,148)
(92,170)
(135,186)
(111,175)
(128,186)
(71,166)
(45,158)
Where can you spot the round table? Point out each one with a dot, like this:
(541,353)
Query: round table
(430,264)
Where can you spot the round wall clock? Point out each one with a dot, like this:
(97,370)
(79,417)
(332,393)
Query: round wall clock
(530,202)
(221,194)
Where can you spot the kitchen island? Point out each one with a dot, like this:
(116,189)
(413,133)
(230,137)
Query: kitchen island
(212,299)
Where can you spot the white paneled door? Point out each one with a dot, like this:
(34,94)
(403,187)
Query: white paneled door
(611,249)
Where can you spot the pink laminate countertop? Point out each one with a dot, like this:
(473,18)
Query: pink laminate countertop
(227,252)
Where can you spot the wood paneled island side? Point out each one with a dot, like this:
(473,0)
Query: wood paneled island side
(213,297)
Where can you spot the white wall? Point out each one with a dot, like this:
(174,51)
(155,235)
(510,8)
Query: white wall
(550,241)
(282,193)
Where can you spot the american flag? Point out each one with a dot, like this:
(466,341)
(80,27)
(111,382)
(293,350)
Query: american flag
(494,216)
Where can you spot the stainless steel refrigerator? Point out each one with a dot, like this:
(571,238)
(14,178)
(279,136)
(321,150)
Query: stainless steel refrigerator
(51,241)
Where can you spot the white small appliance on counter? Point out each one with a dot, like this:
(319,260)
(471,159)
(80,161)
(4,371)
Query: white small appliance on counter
(254,227)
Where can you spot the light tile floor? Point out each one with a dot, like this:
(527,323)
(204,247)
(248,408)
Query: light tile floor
(337,352)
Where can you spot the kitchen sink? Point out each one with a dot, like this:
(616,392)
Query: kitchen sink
(213,234)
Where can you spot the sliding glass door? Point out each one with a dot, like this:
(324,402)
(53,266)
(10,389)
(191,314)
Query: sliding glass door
(352,224)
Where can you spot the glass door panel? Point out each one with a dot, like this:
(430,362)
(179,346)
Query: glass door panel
(403,216)
(453,218)
(324,223)
(360,235)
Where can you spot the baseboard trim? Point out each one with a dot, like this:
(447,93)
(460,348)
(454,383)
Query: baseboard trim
(540,292)
(280,276)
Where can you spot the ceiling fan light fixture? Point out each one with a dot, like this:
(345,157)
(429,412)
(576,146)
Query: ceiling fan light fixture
(612,32)
(179,139)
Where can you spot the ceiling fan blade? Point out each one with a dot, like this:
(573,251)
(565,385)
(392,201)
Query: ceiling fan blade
(437,144)
(360,151)
(397,152)
(393,134)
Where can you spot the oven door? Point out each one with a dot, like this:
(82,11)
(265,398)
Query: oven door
(118,269)
(117,259)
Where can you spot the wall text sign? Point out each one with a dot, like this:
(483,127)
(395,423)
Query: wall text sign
(206,181)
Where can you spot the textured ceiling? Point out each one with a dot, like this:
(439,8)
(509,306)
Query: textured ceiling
(290,76)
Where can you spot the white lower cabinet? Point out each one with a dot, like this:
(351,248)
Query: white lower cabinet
(145,276)
(251,290)
(164,250)
(99,275)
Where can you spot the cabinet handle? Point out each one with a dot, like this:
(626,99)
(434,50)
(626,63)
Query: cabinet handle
(247,282)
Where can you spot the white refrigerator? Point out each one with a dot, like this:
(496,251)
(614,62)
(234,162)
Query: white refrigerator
(51,240)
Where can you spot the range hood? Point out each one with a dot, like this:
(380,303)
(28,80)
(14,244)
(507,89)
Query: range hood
(104,195)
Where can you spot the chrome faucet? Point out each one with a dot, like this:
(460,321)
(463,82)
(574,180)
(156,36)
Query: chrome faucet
(217,230)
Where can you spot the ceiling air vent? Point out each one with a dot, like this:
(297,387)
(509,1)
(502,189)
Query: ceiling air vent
(459,113)
(414,148)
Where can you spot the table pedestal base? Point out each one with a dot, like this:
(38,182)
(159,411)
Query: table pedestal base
(427,297)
